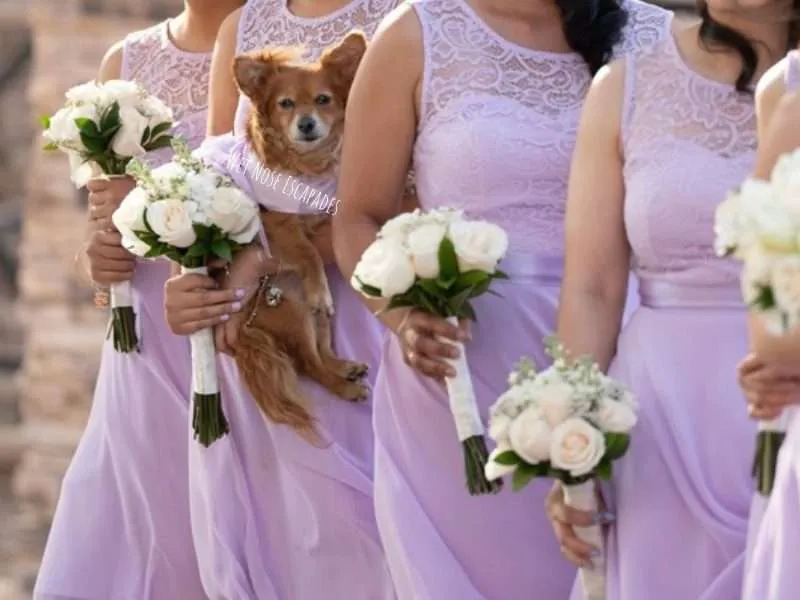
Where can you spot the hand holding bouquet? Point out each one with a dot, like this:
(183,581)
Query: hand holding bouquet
(568,422)
(101,128)
(191,215)
(438,261)
(760,225)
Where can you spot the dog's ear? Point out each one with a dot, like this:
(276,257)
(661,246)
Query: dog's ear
(343,60)
(252,71)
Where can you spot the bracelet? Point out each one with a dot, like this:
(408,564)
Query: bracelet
(102,297)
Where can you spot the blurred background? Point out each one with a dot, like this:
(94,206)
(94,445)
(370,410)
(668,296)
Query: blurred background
(50,332)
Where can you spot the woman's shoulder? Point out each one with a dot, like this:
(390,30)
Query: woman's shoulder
(646,27)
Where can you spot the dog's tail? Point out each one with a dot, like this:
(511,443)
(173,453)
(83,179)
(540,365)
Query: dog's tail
(272,380)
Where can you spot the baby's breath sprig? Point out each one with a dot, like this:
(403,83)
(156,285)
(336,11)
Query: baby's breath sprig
(524,370)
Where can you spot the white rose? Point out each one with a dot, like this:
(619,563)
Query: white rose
(577,447)
(171,220)
(786,284)
(728,225)
(86,93)
(128,140)
(134,245)
(171,179)
(203,187)
(156,111)
(127,93)
(385,265)
(249,232)
(423,245)
(530,436)
(478,244)
(130,214)
(234,213)
(499,426)
(63,129)
(80,170)
(400,226)
(555,403)
(774,228)
(615,417)
(756,273)
(494,470)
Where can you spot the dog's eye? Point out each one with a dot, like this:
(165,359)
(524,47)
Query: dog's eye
(323,99)
(286,103)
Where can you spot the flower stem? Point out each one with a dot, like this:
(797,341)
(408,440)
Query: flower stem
(768,445)
(123,328)
(208,419)
(475,457)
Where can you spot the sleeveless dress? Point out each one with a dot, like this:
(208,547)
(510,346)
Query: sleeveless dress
(121,529)
(275,517)
(773,570)
(496,132)
(683,491)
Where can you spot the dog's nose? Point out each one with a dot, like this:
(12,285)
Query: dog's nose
(306,125)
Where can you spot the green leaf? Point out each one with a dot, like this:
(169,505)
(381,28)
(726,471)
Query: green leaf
(222,250)
(467,312)
(428,305)
(198,250)
(160,142)
(616,445)
(110,118)
(50,146)
(448,261)
(94,145)
(87,127)
(603,470)
(446,284)
(45,121)
(474,277)
(369,290)
(765,300)
(491,292)
(498,274)
(508,458)
(160,129)
(456,302)
(481,288)
(523,475)
(430,286)
(397,302)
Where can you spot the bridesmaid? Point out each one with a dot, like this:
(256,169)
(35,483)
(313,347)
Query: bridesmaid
(275,517)
(664,136)
(485,104)
(774,567)
(122,527)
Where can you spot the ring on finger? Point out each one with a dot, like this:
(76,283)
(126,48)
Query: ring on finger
(411,356)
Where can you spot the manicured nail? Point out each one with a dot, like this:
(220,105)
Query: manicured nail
(224,318)
(463,336)
(240,293)
(236,306)
(606,517)
(595,553)
(453,352)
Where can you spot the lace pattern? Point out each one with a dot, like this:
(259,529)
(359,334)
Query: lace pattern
(499,120)
(696,138)
(179,78)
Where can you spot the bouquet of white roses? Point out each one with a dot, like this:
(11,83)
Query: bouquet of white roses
(101,128)
(188,213)
(760,225)
(438,261)
(568,422)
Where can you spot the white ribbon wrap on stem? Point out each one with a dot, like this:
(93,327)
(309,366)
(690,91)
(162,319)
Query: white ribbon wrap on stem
(779,424)
(204,365)
(593,579)
(461,393)
(121,294)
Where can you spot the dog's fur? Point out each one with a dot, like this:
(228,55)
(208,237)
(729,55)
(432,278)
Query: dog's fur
(295,127)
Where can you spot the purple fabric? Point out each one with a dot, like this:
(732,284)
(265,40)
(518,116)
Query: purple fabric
(496,132)
(275,518)
(773,571)
(681,502)
(121,529)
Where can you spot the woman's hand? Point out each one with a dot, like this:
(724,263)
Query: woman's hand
(424,349)
(109,262)
(564,520)
(769,388)
(192,302)
(244,273)
(105,196)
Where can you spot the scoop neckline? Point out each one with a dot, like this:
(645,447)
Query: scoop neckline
(287,13)
(166,36)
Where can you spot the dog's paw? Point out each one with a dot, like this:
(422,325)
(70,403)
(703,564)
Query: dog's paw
(355,392)
(354,371)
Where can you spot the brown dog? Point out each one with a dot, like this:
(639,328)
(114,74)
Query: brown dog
(295,127)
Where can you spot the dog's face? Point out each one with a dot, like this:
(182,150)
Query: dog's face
(304,103)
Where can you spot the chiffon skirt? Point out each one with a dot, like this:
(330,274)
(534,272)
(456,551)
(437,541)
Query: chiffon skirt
(121,530)
(277,518)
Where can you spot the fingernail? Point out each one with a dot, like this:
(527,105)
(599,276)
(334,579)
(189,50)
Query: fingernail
(224,317)
(240,293)
(595,553)
(236,306)
(463,336)
(453,352)
(607,517)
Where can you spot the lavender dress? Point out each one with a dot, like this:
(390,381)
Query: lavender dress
(683,491)
(773,571)
(496,132)
(121,529)
(275,517)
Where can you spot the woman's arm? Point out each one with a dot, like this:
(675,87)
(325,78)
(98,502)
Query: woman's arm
(597,252)
(379,138)
(223,95)
(778,114)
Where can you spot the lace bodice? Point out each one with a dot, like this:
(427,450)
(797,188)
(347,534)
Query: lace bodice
(270,23)
(499,120)
(179,78)
(687,142)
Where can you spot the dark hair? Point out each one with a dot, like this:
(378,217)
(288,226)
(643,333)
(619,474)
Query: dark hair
(593,28)
(713,33)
